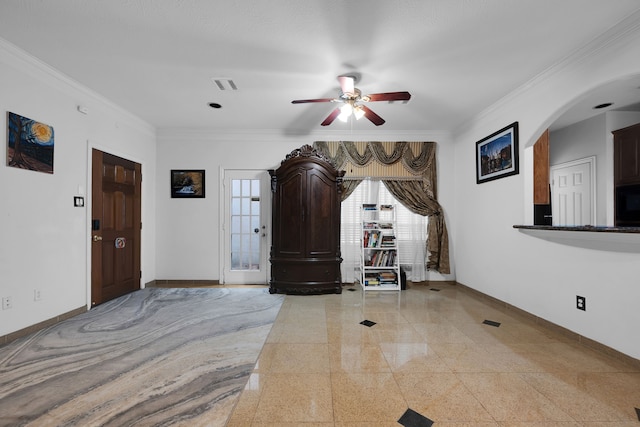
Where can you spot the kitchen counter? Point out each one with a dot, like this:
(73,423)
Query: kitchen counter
(591,228)
(611,239)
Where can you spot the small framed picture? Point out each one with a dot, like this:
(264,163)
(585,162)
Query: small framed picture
(187,183)
(497,154)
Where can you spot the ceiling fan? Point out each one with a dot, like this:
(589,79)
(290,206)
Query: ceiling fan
(352,99)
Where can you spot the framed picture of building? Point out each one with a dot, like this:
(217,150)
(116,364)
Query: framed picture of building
(497,154)
(187,183)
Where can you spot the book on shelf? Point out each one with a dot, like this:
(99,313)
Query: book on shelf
(369,207)
(371,239)
(371,279)
(388,240)
(386,207)
(387,277)
(380,279)
(385,258)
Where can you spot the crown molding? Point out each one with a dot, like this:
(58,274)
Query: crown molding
(217,135)
(619,33)
(36,68)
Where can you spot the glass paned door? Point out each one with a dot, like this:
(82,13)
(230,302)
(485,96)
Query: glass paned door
(245,224)
(247,207)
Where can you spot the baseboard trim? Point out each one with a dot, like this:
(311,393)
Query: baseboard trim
(163,283)
(6,339)
(198,284)
(588,342)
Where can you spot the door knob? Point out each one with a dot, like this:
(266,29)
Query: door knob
(97,238)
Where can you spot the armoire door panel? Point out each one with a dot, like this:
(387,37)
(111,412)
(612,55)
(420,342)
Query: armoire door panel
(322,198)
(291,235)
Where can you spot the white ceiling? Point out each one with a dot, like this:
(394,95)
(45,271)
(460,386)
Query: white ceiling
(157,58)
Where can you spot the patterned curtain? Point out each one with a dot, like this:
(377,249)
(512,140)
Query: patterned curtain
(417,190)
(348,186)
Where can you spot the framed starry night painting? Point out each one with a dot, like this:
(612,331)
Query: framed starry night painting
(29,144)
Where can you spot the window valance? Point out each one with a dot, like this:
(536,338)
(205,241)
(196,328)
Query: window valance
(383,159)
(408,170)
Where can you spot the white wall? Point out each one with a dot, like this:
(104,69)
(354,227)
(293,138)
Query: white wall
(45,239)
(188,231)
(580,140)
(543,275)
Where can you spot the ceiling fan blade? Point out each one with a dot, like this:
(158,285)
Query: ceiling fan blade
(389,96)
(304,101)
(347,84)
(331,117)
(369,114)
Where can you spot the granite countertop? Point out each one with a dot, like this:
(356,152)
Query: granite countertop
(591,228)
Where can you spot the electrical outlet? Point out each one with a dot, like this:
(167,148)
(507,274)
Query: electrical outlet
(7,303)
(36,295)
(581,303)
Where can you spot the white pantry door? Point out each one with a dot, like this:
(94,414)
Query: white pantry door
(573,193)
(247,223)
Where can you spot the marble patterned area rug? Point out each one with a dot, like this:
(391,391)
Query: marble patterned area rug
(156,357)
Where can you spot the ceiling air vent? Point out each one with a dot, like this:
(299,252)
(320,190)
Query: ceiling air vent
(224,83)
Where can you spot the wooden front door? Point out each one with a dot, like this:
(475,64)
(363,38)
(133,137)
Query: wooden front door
(115,227)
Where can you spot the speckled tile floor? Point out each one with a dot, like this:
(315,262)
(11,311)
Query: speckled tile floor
(244,358)
(429,352)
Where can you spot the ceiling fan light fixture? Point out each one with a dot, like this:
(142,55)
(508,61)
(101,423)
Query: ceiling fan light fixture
(351,97)
(344,117)
(358,112)
(345,112)
(346,109)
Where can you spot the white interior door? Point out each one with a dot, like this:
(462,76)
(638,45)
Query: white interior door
(246,227)
(573,193)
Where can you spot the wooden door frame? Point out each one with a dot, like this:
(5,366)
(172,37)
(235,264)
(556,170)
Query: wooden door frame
(94,176)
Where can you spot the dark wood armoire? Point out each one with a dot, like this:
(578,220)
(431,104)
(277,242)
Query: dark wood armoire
(305,248)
